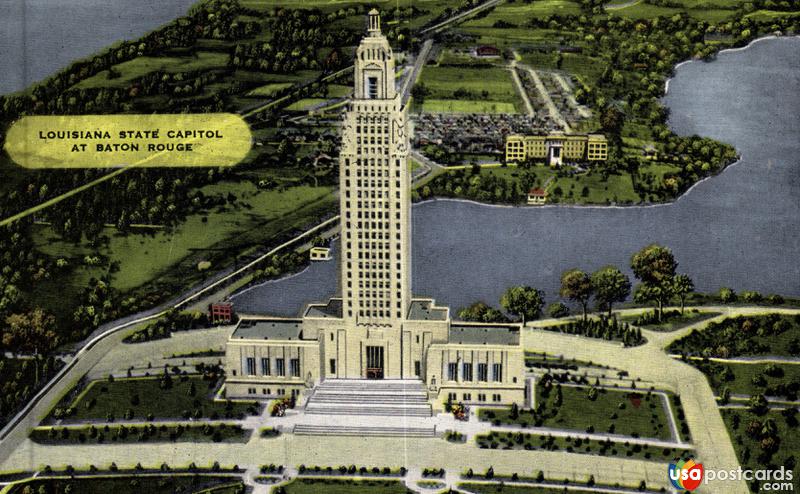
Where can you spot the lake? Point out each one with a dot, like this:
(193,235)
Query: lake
(739,229)
(39,37)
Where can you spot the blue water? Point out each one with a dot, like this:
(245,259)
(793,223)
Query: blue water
(39,37)
(738,229)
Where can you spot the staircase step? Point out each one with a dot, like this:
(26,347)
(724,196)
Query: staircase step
(375,431)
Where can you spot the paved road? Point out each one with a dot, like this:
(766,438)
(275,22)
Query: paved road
(460,16)
(520,87)
(411,77)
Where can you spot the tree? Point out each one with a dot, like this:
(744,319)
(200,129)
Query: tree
(682,286)
(727,295)
(655,266)
(611,285)
(557,309)
(523,301)
(577,286)
(758,404)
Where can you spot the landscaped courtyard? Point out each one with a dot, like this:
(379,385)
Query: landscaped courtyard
(589,409)
(153,398)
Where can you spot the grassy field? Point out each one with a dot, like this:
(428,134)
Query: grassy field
(143,396)
(345,486)
(144,257)
(743,374)
(268,90)
(513,489)
(468,106)
(140,66)
(672,323)
(748,447)
(131,484)
(620,412)
(484,87)
(519,12)
(532,442)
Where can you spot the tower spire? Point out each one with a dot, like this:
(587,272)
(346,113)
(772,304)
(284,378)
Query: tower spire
(374,22)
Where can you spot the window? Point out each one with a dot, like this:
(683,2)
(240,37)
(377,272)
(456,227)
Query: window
(482,397)
(497,372)
(452,371)
(333,366)
(483,372)
(467,397)
(466,371)
(251,366)
(372,87)
(496,398)
(294,367)
(417,368)
(265,370)
(279,367)
(451,397)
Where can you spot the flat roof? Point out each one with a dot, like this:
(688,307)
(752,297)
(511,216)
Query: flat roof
(333,309)
(269,329)
(479,334)
(425,310)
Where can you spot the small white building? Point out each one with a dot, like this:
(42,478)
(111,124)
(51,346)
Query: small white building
(320,254)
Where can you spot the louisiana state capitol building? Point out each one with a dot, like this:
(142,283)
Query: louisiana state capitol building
(376,331)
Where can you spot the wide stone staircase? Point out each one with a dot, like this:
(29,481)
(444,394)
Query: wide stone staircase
(381,397)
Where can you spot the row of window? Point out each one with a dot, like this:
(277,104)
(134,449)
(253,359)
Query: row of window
(268,391)
(376,313)
(373,140)
(372,129)
(453,397)
(280,368)
(467,375)
(372,119)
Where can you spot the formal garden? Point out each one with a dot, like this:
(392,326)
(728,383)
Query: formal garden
(132,484)
(161,397)
(589,409)
(765,439)
(144,433)
(743,336)
(580,445)
(341,486)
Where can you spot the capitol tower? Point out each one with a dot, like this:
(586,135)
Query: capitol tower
(375,191)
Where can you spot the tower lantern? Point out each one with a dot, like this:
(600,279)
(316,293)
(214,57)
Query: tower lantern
(374,23)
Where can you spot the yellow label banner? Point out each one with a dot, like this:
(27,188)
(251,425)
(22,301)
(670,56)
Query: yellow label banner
(105,141)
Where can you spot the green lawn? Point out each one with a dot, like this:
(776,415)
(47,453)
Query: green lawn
(518,13)
(131,484)
(532,442)
(121,434)
(305,104)
(143,396)
(268,90)
(141,66)
(673,323)
(771,335)
(514,489)
(612,411)
(748,445)
(614,189)
(741,376)
(484,85)
(467,106)
(144,257)
(345,486)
